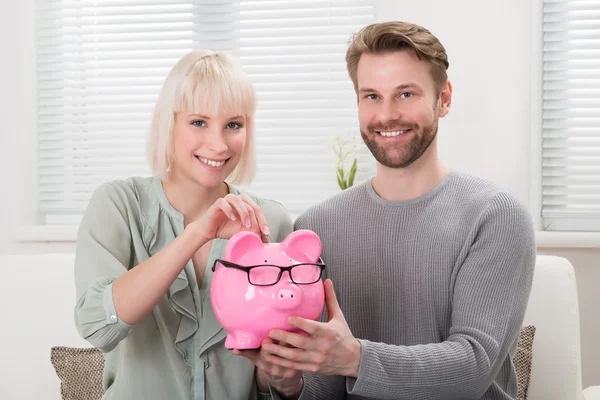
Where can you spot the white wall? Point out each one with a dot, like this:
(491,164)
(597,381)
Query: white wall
(486,133)
(17,138)
(12,103)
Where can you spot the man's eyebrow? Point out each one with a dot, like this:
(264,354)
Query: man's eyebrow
(399,87)
(369,90)
(407,85)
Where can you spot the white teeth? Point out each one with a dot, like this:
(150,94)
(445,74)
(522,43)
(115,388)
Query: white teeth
(394,133)
(211,162)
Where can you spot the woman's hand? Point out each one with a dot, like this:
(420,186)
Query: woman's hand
(231,214)
(286,381)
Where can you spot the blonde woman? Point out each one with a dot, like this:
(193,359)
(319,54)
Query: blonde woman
(144,243)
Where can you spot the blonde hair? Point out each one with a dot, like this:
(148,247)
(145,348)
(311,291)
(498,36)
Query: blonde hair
(203,82)
(397,36)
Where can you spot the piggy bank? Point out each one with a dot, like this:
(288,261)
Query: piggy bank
(257,286)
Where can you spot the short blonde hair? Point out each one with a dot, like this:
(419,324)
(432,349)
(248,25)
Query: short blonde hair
(203,82)
(397,36)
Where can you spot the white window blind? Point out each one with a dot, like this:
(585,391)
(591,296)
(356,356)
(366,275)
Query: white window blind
(294,53)
(571,115)
(101,65)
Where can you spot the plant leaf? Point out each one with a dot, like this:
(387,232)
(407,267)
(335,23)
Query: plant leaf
(352,173)
(341,183)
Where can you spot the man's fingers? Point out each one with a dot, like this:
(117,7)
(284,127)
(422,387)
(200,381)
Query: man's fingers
(292,339)
(307,325)
(252,355)
(333,308)
(288,353)
(287,364)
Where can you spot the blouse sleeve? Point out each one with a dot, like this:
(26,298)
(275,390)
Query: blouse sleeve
(103,253)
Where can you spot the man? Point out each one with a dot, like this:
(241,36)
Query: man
(432,267)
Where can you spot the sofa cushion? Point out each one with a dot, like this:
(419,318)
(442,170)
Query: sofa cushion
(80,369)
(522,360)
(80,372)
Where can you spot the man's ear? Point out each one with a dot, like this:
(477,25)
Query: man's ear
(445,99)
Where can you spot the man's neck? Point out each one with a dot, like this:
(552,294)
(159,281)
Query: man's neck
(419,178)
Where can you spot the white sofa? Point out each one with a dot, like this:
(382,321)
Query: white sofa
(37,297)
(553,309)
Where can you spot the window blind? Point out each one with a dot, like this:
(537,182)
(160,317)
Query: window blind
(294,53)
(571,115)
(101,65)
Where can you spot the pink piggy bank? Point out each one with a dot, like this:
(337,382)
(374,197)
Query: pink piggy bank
(257,286)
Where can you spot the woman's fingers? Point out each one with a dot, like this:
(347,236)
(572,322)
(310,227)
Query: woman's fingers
(241,210)
(239,206)
(252,216)
(258,213)
(226,208)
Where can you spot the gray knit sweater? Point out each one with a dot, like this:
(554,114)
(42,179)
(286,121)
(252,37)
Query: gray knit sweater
(435,288)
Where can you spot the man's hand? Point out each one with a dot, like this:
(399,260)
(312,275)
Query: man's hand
(287,382)
(329,350)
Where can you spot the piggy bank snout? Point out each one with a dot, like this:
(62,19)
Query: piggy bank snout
(289,294)
(288,297)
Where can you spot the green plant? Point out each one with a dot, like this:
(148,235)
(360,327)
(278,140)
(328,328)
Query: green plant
(344,147)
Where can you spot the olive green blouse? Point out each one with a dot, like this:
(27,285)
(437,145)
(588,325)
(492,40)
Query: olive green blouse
(177,351)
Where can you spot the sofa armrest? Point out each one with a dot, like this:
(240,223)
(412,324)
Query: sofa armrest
(591,393)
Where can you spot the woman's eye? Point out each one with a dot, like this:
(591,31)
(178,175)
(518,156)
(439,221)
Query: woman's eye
(233,125)
(198,122)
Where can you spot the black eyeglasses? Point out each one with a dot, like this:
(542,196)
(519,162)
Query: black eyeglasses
(269,275)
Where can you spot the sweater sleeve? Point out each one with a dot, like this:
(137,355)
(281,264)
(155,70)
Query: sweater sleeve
(489,298)
(103,253)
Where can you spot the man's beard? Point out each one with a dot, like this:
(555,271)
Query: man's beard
(400,155)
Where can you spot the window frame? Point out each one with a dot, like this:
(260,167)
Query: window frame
(544,238)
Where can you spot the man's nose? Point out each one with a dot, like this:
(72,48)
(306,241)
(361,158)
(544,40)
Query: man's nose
(388,111)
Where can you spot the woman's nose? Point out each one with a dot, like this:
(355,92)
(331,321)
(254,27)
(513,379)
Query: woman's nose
(216,142)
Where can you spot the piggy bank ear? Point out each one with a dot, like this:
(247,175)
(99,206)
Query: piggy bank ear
(303,245)
(240,244)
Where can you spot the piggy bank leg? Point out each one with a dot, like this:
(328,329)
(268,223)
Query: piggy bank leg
(230,341)
(242,341)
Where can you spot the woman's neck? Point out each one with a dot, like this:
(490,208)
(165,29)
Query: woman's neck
(189,198)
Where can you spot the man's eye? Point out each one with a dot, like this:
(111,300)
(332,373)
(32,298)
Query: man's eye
(406,95)
(198,122)
(372,96)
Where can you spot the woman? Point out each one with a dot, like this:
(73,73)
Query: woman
(144,243)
